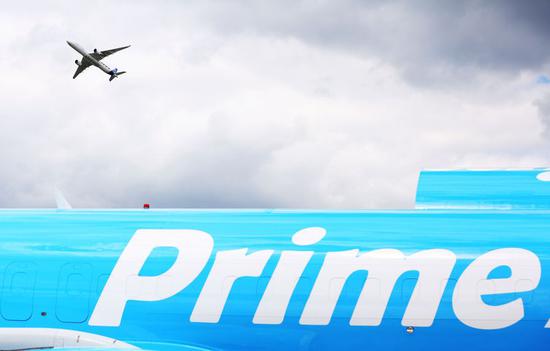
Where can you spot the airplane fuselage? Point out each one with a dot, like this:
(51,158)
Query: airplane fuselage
(85,54)
(271,280)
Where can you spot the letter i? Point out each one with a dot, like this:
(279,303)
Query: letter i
(291,265)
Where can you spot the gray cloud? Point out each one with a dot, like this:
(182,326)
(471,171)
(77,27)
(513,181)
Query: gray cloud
(543,106)
(429,41)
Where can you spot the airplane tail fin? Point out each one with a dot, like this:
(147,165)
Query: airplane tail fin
(484,189)
(115,73)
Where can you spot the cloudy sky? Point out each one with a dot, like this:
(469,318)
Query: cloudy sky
(301,104)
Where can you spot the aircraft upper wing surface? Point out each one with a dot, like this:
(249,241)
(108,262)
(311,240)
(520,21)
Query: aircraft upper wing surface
(104,53)
(83,65)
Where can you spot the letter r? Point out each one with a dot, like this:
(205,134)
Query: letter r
(194,248)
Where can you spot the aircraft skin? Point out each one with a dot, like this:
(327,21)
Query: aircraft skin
(94,59)
(276,279)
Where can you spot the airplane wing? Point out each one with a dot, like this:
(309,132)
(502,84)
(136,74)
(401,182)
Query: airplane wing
(33,339)
(100,55)
(83,65)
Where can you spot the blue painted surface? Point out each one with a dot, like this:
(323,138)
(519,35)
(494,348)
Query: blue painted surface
(490,189)
(48,258)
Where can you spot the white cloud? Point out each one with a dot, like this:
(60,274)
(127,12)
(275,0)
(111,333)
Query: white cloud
(211,115)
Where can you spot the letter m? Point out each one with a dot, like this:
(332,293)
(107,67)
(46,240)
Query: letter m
(384,269)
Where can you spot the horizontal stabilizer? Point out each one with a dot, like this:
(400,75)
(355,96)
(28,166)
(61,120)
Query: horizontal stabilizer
(115,74)
(484,189)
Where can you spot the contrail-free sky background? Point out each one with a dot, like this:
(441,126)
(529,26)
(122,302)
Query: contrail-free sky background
(307,104)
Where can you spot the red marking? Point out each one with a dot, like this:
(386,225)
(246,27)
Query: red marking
(146,206)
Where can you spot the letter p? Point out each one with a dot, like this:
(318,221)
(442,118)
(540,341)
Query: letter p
(194,248)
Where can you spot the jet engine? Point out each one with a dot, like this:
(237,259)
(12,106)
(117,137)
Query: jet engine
(78,63)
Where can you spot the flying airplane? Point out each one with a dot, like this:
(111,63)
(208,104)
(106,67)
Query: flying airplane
(94,59)
(468,269)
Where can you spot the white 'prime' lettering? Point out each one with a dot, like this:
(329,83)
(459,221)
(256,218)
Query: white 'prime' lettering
(384,268)
(291,265)
(228,267)
(194,249)
(473,284)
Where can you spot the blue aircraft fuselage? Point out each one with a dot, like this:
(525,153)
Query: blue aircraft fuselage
(309,280)
(468,270)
